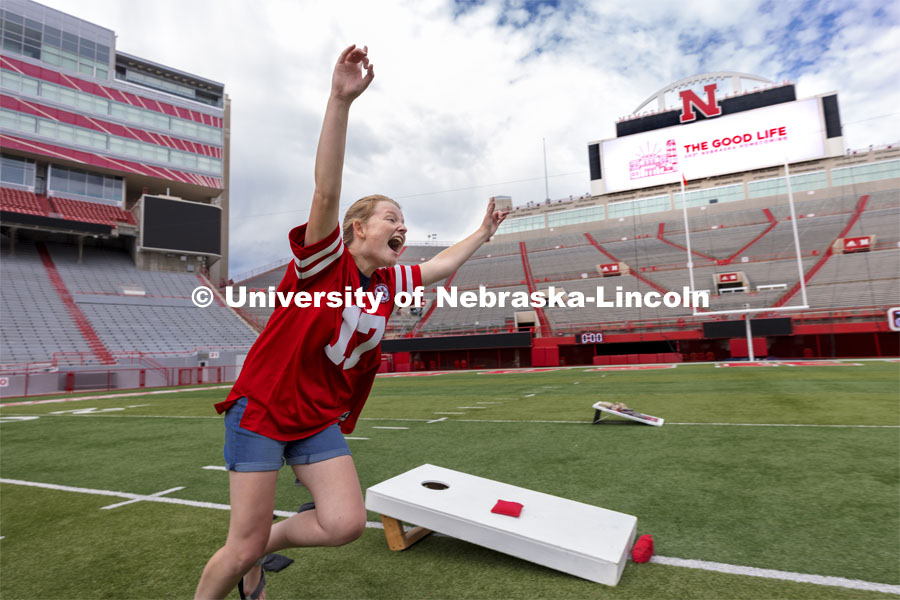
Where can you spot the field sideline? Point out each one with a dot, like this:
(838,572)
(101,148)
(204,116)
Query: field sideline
(779,469)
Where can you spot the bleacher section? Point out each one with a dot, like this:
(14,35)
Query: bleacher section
(164,319)
(152,311)
(759,242)
(720,241)
(610,285)
(19,201)
(413,255)
(864,279)
(477,317)
(881,222)
(91,212)
(564,263)
(491,270)
(29,203)
(35,322)
(128,309)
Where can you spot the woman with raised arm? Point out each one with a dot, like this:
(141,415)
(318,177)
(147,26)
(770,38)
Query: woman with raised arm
(309,373)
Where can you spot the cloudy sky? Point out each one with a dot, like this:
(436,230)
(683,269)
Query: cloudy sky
(465,91)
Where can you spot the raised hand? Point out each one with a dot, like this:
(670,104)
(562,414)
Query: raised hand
(492,219)
(348,81)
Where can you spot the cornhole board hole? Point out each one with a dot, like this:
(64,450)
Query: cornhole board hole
(601,412)
(579,539)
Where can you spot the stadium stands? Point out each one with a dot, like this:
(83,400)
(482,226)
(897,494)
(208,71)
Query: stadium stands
(151,312)
(91,212)
(29,203)
(460,318)
(21,201)
(757,241)
(108,289)
(128,309)
(35,322)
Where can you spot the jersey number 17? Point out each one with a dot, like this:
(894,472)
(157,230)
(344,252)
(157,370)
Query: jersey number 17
(355,319)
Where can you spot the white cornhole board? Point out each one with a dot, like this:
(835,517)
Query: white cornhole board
(634,416)
(579,539)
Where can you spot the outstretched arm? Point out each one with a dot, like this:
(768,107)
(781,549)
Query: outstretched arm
(447,262)
(347,83)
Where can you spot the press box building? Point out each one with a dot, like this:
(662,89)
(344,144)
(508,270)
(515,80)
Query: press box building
(97,143)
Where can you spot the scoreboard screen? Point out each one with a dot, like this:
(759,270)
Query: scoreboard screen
(181,226)
(755,139)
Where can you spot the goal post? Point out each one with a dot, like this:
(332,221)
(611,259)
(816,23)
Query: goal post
(735,281)
(741,286)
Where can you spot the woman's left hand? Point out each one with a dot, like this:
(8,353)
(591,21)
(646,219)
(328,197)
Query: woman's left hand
(492,219)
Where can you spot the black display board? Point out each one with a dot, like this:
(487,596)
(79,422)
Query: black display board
(738,329)
(181,226)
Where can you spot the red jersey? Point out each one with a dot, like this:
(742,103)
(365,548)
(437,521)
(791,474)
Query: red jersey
(314,366)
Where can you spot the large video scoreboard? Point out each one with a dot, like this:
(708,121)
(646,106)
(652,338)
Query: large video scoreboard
(713,134)
(181,226)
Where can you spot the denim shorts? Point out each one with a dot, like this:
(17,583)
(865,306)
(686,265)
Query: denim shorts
(246,450)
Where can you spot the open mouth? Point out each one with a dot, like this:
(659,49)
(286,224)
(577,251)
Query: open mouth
(395,243)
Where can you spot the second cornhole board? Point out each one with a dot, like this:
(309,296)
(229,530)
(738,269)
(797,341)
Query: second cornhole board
(628,414)
(579,539)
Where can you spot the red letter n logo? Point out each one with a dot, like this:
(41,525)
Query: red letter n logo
(689,100)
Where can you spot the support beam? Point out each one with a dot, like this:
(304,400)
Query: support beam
(397,538)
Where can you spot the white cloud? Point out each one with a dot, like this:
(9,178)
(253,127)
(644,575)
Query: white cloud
(461,103)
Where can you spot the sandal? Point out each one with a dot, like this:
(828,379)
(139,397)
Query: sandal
(255,594)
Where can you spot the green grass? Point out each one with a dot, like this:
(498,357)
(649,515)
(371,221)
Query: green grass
(816,500)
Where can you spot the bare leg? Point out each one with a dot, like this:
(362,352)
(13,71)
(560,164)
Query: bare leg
(339,516)
(252,504)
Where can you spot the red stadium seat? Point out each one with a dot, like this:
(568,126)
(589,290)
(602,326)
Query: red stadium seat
(21,201)
(91,212)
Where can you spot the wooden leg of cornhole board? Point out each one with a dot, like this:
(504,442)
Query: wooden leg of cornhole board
(398,539)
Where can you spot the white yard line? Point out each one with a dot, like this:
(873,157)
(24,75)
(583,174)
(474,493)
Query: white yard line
(436,420)
(395,419)
(515,421)
(790,425)
(107,416)
(214,468)
(698,424)
(103,397)
(853,584)
(384,427)
(140,416)
(825,580)
(156,495)
(18,419)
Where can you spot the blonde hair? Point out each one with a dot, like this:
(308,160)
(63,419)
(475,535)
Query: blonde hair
(361,210)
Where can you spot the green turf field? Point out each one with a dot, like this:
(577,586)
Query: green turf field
(755,467)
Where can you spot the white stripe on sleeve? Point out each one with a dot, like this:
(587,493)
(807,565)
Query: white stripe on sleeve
(409,279)
(333,247)
(398,278)
(313,270)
